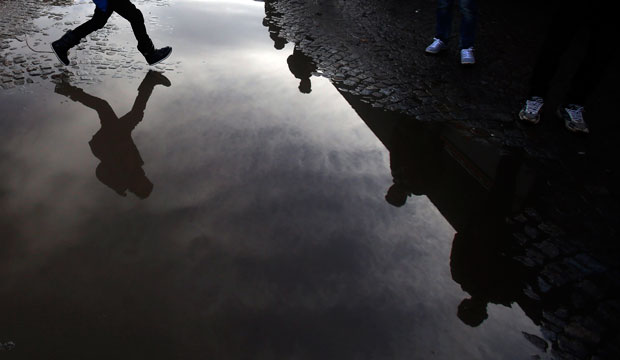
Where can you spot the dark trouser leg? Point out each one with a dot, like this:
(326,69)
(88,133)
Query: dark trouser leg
(559,36)
(98,21)
(128,11)
(592,67)
(444,19)
(469,13)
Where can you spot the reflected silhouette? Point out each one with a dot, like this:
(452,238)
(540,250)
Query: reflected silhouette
(482,257)
(269,21)
(121,164)
(302,67)
(475,187)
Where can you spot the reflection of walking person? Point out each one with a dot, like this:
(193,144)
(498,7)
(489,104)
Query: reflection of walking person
(121,164)
(469,12)
(103,11)
(302,67)
(568,19)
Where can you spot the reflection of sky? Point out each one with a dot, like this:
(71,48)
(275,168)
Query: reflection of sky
(266,232)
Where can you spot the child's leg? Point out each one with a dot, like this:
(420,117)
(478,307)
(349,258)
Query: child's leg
(128,11)
(97,22)
(72,38)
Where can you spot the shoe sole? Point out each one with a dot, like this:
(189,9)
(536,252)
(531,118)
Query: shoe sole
(162,59)
(58,57)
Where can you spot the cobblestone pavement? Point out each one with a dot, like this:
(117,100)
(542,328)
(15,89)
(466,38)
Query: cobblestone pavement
(29,26)
(564,240)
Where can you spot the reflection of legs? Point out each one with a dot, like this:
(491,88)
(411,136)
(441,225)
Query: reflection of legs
(444,19)
(103,109)
(128,11)
(136,114)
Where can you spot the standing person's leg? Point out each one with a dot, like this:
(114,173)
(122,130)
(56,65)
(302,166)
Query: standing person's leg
(469,17)
(73,37)
(443,26)
(444,19)
(589,73)
(128,11)
(559,35)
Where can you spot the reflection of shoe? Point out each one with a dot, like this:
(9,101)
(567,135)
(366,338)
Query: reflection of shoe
(153,78)
(467,56)
(156,56)
(573,118)
(531,110)
(66,89)
(436,46)
(159,78)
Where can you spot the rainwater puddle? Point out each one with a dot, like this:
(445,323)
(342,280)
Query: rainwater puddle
(228,209)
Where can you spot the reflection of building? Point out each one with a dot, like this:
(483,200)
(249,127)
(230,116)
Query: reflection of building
(494,257)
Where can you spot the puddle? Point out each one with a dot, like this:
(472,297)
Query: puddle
(245,209)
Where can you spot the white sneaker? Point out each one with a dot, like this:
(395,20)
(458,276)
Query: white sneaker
(467,56)
(573,118)
(531,110)
(436,46)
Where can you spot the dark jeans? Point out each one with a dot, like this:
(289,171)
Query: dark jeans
(469,13)
(566,22)
(125,9)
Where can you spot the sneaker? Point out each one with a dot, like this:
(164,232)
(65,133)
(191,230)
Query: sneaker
(157,55)
(467,56)
(61,47)
(573,118)
(436,46)
(531,110)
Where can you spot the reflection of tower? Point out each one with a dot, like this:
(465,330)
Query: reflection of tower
(302,67)
(269,21)
(121,163)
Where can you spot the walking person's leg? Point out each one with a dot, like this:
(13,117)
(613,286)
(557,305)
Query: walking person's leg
(73,37)
(128,11)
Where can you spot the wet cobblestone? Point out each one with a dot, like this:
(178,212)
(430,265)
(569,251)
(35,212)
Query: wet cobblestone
(24,44)
(373,50)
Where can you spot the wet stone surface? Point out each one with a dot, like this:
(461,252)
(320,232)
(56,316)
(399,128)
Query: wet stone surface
(562,242)
(373,50)
(31,26)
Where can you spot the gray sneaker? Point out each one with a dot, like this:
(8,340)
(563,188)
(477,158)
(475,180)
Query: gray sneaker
(573,118)
(436,46)
(467,56)
(531,110)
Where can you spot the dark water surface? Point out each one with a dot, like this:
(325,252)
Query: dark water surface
(227,216)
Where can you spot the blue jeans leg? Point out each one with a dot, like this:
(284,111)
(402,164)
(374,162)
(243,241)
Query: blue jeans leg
(469,14)
(444,19)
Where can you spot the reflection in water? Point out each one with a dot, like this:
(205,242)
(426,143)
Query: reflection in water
(475,189)
(269,21)
(121,163)
(482,261)
(302,66)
